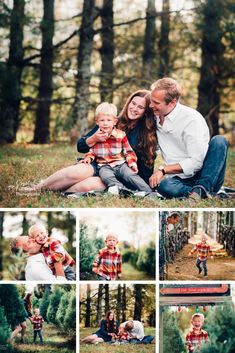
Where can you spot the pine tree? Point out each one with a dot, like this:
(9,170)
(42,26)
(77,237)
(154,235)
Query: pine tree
(70,317)
(53,305)
(62,309)
(13,304)
(45,303)
(4,328)
(220,325)
(172,341)
(87,252)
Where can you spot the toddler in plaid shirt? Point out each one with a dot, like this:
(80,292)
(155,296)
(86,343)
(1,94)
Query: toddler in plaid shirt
(196,337)
(203,251)
(116,160)
(108,263)
(36,321)
(56,257)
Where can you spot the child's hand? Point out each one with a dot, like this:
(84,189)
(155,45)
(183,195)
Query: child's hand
(189,254)
(212,257)
(134,167)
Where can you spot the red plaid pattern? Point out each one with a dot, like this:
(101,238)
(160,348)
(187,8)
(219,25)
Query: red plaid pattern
(195,340)
(114,150)
(123,336)
(203,251)
(37,322)
(108,264)
(53,252)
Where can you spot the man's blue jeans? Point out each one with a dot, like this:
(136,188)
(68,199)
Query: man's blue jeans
(198,264)
(210,178)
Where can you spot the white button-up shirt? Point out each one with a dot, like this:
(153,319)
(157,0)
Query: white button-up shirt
(36,269)
(183,138)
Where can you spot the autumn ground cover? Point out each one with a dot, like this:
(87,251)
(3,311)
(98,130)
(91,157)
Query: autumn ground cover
(24,163)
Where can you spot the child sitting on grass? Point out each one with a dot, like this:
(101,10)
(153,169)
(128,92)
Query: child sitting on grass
(203,251)
(36,321)
(196,337)
(108,263)
(56,257)
(116,160)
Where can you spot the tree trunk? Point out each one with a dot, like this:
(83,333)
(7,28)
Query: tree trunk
(106,298)
(164,40)
(25,224)
(212,57)
(81,104)
(138,301)
(149,44)
(99,304)
(88,306)
(42,131)
(10,73)
(107,51)
(124,303)
(119,297)
(1,244)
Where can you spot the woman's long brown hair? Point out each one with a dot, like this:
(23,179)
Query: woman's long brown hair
(108,322)
(147,144)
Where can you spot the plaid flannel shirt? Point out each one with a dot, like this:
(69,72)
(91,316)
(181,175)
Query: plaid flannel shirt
(203,251)
(114,151)
(37,322)
(53,252)
(195,340)
(108,264)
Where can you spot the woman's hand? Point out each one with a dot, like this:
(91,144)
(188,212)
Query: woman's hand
(98,136)
(86,160)
(134,167)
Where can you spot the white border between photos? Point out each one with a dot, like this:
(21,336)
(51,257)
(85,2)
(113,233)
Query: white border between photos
(156,282)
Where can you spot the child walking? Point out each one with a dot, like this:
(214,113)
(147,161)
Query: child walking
(37,321)
(203,251)
(56,257)
(196,337)
(116,160)
(108,263)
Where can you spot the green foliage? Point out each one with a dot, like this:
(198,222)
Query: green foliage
(146,259)
(44,304)
(220,325)
(130,256)
(172,340)
(88,252)
(53,305)
(70,316)
(62,309)
(4,327)
(13,304)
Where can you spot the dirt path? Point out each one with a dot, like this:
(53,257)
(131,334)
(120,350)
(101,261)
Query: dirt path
(221,267)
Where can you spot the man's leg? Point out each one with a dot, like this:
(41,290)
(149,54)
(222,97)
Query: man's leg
(146,340)
(175,187)
(132,179)
(107,175)
(198,263)
(211,176)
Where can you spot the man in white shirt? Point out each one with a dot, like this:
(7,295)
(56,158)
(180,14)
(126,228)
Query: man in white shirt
(135,329)
(36,268)
(194,165)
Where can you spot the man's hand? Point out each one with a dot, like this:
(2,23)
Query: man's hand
(134,167)
(155,179)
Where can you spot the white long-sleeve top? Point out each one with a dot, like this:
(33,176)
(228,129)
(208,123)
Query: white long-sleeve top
(183,138)
(36,269)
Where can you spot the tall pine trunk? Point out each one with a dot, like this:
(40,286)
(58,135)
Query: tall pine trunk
(149,44)
(119,297)
(138,301)
(212,57)
(81,105)
(107,51)
(1,244)
(124,306)
(88,306)
(10,85)
(106,297)
(164,40)
(42,127)
(99,304)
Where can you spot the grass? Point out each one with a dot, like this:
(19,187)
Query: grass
(106,347)
(24,163)
(54,341)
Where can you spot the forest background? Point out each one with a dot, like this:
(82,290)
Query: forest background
(59,59)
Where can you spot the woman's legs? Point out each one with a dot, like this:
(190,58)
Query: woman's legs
(92,183)
(92,339)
